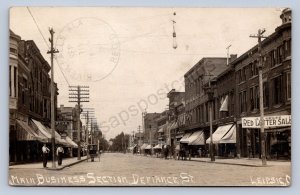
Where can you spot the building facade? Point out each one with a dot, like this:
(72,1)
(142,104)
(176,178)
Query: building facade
(201,78)
(29,90)
(276,57)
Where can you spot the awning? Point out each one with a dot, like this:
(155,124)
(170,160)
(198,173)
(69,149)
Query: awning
(197,138)
(219,133)
(230,137)
(143,146)
(158,146)
(71,142)
(26,133)
(42,130)
(148,147)
(58,138)
(161,129)
(174,125)
(47,133)
(131,147)
(185,139)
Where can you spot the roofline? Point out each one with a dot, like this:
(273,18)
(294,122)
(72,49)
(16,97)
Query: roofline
(198,64)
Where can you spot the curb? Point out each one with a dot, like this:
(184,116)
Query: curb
(225,163)
(67,165)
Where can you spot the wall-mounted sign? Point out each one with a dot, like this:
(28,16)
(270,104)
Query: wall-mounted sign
(270,121)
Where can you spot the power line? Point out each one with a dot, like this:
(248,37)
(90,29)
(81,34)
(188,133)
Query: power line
(47,44)
(38,27)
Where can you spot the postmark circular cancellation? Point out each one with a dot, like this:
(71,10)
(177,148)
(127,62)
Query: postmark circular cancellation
(89,49)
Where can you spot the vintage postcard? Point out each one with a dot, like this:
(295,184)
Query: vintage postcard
(121,96)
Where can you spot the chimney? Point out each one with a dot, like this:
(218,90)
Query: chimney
(232,57)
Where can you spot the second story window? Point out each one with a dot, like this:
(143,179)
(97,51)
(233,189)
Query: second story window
(243,101)
(277,90)
(288,86)
(254,98)
(253,69)
(266,94)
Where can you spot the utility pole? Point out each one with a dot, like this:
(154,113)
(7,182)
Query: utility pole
(227,48)
(211,144)
(88,113)
(53,91)
(139,130)
(150,139)
(79,94)
(261,97)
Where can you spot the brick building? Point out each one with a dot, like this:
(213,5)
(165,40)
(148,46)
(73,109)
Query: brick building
(206,73)
(276,54)
(29,89)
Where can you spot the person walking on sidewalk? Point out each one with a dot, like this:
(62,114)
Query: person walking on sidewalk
(45,152)
(59,153)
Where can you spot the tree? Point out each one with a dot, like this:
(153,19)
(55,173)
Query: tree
(120,142)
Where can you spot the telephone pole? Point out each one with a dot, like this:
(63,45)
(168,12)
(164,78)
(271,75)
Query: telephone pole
(261,97)
(79,94)
(227,48)
(53,91)
(88,113)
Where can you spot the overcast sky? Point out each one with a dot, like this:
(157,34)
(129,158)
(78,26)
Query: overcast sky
(125,55)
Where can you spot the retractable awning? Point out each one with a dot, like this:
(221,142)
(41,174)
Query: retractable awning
(47,133)
(174,125)
(161,129)
(143,146)
(220,133)
(71,142)
(158,146)
(26,133)
(197,138)
(131,147)
(42,130)
(148,147)
(230,137)
(185,138)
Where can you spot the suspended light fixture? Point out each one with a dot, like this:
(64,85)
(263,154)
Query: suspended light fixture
(174,33)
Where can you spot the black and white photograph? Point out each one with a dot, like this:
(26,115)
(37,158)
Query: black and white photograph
(150,96)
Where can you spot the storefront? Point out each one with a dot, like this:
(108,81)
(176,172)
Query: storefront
(193,144)
(224,140)
(277,137)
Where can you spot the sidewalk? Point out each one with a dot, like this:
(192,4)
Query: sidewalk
(39,165)
(252,162)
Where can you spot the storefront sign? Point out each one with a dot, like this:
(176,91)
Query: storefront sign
(270,121)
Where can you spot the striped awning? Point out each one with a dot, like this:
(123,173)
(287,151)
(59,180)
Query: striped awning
(71,142)
(27,133)
(185,138)
(222,132)
(158,146)
(197,138)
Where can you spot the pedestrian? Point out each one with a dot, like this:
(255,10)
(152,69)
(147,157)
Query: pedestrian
(59,153)
(45,152)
